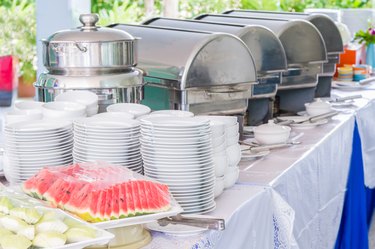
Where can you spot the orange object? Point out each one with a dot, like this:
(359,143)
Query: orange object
(353,55)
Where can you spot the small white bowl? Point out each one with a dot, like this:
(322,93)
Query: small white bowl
(271,133)
(221,148)
(217,141)
(220,163)
(233,155)
(136,109)
(227,120)
(87,98)
(91,111)
(233,140)
(317,107)
(123,115)
(29,106)
(231,176)
(232,130)
(219,186)
(63,110)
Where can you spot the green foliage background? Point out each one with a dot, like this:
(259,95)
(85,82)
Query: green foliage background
(18,21)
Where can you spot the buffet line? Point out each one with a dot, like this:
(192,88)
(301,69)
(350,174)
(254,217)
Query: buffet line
(134,124)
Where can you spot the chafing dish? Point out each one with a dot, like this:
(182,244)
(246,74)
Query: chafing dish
(327,28)
(305,52)
(92,58)
(194,71)
(266,49)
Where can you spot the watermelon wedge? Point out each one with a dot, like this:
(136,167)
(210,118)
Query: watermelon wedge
(98,192)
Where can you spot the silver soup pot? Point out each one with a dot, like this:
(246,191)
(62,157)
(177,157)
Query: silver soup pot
(89,50)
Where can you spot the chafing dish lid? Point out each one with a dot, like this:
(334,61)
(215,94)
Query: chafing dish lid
(265,47)
(192,59)
(326,26)
(302,42)
(89,32)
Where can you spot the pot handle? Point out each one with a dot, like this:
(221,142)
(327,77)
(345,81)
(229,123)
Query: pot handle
(81,47)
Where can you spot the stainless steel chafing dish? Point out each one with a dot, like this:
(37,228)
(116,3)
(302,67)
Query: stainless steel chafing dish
(266,49)
(200,72)
(305,52)
(327,28)
(92,58)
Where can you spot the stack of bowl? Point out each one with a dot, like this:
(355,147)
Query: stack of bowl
(226,150)
(86,98)
(25,111)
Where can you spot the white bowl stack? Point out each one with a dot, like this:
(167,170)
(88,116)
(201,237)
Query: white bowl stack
(108,138)
(32,145)
(86,98)
(63,110)
(177,151)
(226,150)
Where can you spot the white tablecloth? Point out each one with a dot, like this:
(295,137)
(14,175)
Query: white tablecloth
(252,214)
(311,177)
(365,117)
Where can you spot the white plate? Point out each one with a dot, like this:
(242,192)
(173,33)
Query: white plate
(174,122)
(40,126)
(106,123)
(136,109)
(169,135)
(200,210)
(129,221)
(175,113)
(248,154)
(306,125)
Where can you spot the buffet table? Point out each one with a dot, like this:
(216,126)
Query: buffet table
(313,178)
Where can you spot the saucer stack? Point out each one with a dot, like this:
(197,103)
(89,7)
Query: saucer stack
(32,145)
(177,151)
(110,139)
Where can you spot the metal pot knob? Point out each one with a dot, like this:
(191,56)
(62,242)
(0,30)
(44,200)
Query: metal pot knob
(89,21)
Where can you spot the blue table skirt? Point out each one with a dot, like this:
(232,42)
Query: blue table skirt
(358,205)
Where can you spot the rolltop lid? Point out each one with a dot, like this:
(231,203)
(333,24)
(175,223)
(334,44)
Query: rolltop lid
(265,47)
(302,41)
(183,59)
(326,26)
(89,32)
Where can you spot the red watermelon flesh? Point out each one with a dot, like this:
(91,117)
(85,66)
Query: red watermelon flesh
(122,199)
(68,192)
(78,195)
(108,204)
(129,198)
(137,202)
(56,191)
(100,211)
(39,183)
(98,193)
(142,197)
(115,212)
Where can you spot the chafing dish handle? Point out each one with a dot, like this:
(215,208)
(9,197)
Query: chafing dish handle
(208,92)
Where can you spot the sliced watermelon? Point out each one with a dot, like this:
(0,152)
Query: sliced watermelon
(129,199)
(56,191)
(123,212)
(100,211)
(108,204)
(142,197)
(79,194)
(87,210)
(38,184)
(137,202)
(115,212)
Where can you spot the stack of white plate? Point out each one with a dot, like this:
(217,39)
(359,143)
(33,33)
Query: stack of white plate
(177,151)
(33,145)
(110,139)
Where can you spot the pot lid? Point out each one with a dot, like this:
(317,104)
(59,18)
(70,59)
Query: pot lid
(271,128)
(89,32)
